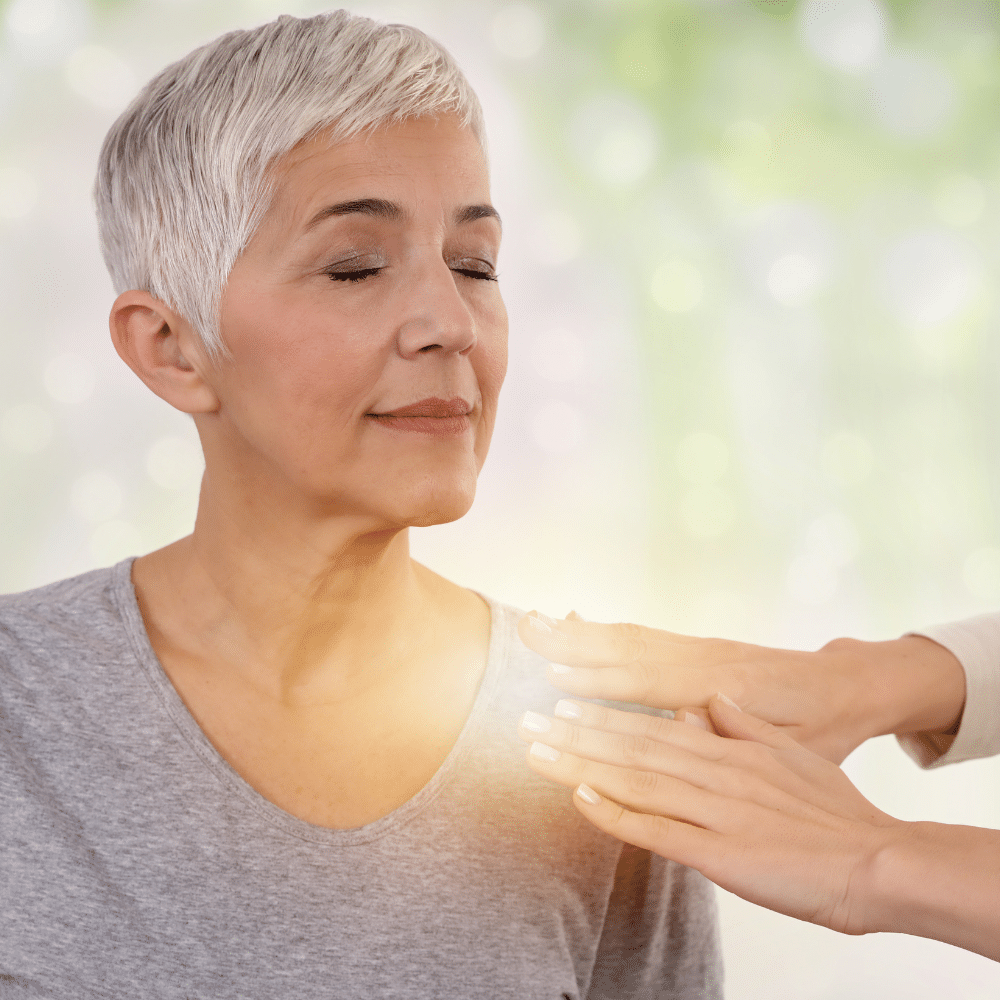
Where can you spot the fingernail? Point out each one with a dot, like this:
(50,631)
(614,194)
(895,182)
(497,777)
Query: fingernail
(535,621)
(559,668)
(728,701)
(535,723)
(575,617)
(542,752)
(568,710)
(551,622)
(693,719)
(588,795)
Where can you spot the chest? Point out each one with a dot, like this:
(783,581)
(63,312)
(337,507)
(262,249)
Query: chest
(339,765)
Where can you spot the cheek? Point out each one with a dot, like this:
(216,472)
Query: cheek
(297,409)
(492,373)
(491,365)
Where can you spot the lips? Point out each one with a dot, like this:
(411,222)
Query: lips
(431,407)
(432,416)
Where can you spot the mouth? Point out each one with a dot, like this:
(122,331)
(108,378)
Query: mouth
(439,417)
(431,407)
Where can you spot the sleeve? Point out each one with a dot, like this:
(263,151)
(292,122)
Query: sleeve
(975,643)
(660,936)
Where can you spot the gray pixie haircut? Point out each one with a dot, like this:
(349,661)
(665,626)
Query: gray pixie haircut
(185,174)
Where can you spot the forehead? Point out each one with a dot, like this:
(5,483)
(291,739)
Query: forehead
(417,159)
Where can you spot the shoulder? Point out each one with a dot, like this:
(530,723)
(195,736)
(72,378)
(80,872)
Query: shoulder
(520,670)
(59,621)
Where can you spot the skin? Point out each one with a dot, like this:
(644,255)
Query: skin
(734,795)
(327,667)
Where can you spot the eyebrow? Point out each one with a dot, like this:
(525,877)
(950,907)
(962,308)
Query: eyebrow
(379,208)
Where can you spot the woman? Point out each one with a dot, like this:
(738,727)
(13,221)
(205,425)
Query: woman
(273,758)
(761,813)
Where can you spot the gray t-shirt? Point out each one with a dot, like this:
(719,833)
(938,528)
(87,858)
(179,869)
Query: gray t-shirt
(136,863)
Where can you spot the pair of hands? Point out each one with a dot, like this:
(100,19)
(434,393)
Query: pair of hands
(752,799)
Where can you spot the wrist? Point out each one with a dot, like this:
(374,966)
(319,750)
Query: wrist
(937,881)
(906,685)
(887,886)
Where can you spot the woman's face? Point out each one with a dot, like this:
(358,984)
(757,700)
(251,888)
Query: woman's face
(367,335)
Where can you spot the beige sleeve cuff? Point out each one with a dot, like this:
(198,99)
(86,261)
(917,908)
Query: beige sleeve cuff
(975,642)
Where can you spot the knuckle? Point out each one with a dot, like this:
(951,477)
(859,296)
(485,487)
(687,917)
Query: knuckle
(648,681)
(573,739)
(642,784)
(633,748)
(657,828)
(632,642)
(655,728)
(601,717)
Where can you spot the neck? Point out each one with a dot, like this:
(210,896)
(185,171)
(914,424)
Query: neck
(308,607)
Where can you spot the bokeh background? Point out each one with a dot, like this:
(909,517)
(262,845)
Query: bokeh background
(754,391)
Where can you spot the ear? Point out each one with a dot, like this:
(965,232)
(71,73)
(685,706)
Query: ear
(163,350)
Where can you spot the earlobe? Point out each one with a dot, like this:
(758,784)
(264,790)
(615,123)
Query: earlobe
(163,350)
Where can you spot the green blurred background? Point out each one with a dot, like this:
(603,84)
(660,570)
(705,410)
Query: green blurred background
(755,367)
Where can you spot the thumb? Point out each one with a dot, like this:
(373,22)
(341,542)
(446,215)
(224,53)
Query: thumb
(731,721)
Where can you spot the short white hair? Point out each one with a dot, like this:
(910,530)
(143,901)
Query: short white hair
(184,176)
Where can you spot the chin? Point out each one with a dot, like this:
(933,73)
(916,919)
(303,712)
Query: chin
(440,505)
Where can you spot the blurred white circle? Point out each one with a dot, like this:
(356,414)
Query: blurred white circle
(794,278)
(95,496)
(100,77)
(26,428)
(832,538)
(518,31)
(69,379)
(929,276)
(847,34)
(557,427)
(914,95)
(847,458)
(706,511)
(981,575)
(677,286)
(44,31)
(959,200)
(615,139)
(558,238)
(558,355)
(812,580)
(174,462)
(789,251)
(18,193)
(112,541)
(702,457)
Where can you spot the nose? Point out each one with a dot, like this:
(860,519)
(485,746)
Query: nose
(437,318)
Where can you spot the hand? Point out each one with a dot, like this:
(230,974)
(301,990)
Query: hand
(752,810)
(830,701)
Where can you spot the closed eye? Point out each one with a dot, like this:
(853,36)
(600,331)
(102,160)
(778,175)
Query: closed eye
(471,273)
(473,267)
(357,275)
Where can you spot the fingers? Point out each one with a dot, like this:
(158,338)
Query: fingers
(624,662)
(584,644)
(681,842)
(729,720)
(643,748)
(761,764)
(648,743)
(639,790)
(680,732)
(696,717)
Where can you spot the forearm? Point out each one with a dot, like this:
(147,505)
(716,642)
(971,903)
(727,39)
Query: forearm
(907,685)
(942,882)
